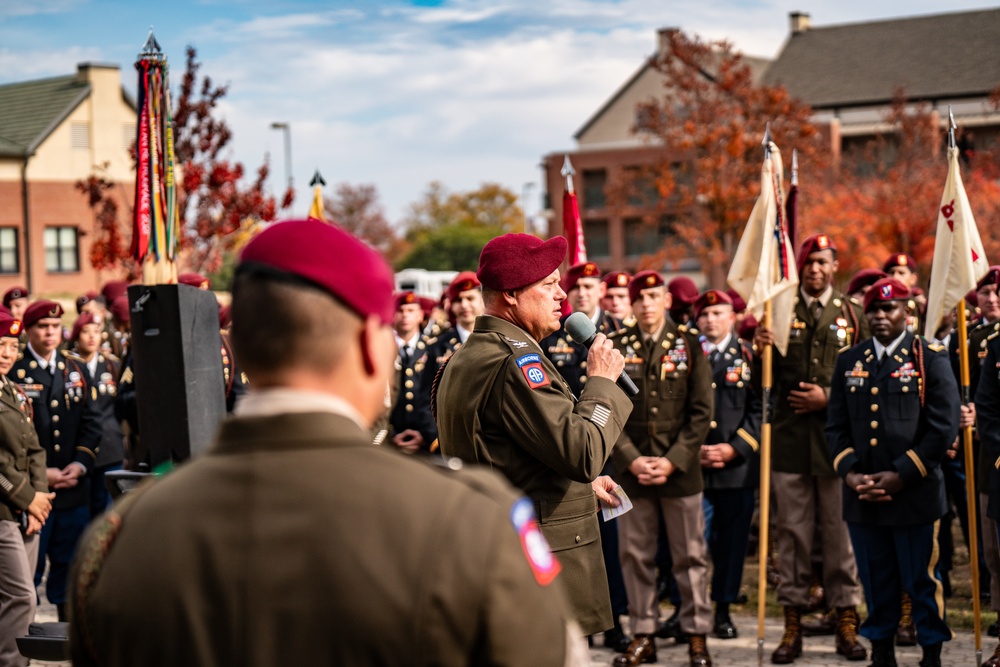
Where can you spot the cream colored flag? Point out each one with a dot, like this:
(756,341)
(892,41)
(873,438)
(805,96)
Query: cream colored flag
(959,258)
(764,266)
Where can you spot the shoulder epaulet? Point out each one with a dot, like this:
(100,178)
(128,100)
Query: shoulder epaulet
(934,347)
(629,321)
(73,357)
(516,346)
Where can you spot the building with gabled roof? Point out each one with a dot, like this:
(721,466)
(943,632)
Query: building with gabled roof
(847,73)
(55,132)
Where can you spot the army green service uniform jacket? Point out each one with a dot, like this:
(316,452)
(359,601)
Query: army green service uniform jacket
(295,541)
(673,409)
(501,403)
(798,442)
(22,458)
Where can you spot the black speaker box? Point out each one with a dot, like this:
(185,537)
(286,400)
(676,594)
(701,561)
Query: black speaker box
(177,363)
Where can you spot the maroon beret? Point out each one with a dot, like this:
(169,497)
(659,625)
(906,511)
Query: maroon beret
(886,289)
(972,299)
(9,327)
(84,299)
(814,243)
(643,280)
(992,277)
(113,289)
(81,322)
(194,280)
(864,278)
(426,304)
(513,261)
(404,298)
(577,271)
(683,291)
(329,257)
(40,310)
(739,305)
(899,259)
(119,308)
(712,297)
(463,282)
(14,293)
(616,279)
(747,327)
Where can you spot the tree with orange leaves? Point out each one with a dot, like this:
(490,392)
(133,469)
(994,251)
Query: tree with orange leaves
(706,131)
(883,196)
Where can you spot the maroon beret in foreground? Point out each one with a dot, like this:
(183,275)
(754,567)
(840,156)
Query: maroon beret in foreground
(886,289)
(814,243)
(330,258)
(14,293)
(864,278)
(81,322)
(577,271)
(40,310)
(113,289)
(404,299)
(739,305)
(683,291)
(194,280)
(9,327)
(513,261)
(426,304)
(747,327)
(972,299)
(643,280)
(463,282)
(899,259)
(992,277)
(119,308)
(616,279)
(712,297)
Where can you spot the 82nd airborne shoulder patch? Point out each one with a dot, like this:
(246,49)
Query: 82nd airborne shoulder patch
(534,373)
(536,549)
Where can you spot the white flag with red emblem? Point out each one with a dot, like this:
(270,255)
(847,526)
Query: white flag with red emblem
(959,258)
(763,268)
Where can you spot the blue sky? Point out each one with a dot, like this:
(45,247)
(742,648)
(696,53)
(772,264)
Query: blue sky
(398,93)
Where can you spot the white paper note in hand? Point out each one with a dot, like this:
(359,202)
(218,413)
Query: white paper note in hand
(611,512)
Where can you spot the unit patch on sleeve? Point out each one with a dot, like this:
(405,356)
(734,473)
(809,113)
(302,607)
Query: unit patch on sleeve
(531,366)
(536,548)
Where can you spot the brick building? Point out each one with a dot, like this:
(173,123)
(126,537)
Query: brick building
(847,73)
(53,133)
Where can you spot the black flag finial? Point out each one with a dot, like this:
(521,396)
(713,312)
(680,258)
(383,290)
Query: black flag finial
(317,179)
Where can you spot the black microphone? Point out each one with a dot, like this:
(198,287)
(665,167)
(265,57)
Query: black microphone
(583,332)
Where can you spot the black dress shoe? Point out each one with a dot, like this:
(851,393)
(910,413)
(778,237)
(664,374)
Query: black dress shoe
(616,640)
(670,628)
(724,628)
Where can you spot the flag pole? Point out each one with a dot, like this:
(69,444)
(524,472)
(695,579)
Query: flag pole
(970,470)
(765,465)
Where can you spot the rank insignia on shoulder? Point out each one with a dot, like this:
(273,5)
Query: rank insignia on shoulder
(516,343)
(534,373)
(536,549)
(935,347)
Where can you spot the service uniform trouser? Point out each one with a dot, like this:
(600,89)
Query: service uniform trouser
(804,500)
(894,558)
(728,515)
(17,591)
(59,538)
(991,550)
(684,521)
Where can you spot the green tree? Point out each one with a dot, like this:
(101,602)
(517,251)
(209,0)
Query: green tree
(447,231)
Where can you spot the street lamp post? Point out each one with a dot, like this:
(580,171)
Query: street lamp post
(287,130)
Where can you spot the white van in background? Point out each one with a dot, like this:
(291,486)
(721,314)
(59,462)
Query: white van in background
(424,283)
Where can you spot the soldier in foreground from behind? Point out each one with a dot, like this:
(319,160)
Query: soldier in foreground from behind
(894,412)
(293,540)
(500,402)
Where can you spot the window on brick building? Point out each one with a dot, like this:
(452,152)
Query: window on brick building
(62,251)
(9,262)
(595,233)
(594,181)
(644,238)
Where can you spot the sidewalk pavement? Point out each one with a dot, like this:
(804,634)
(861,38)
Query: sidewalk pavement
(742,651)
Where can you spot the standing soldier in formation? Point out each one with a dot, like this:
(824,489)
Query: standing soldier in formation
(894,412)
(25,502)
(730,456)
(69,430)
(615,301)
(500,402)
(806,488)
(658,459)
(16,301)
(585,291)
(412,429)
